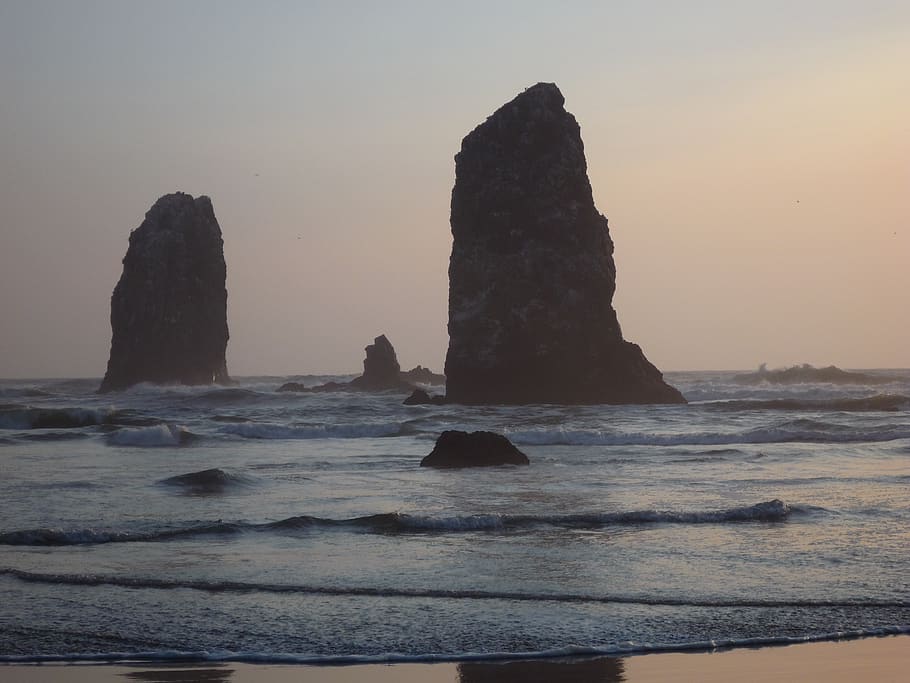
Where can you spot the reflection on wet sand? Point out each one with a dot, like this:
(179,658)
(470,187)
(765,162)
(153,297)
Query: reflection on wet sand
(181,674)
(599,670)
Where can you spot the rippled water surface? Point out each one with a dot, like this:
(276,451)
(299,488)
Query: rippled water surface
(247,523)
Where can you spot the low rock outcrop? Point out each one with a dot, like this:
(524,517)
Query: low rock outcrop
(169,308)
(456,449)
(381,372)
(531,274)
(422,375)
(808,374)
(420,397)
(292,387)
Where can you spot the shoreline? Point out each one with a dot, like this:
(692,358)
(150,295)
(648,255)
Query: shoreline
(879,658)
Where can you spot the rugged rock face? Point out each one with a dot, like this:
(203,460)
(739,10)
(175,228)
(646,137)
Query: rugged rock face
(380,368)
(422,375)
(531,275)
(169,309)
(473,449)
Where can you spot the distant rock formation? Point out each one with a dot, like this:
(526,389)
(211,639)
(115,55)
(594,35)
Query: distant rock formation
(292,387)
(381,370)
(807,374)
(169,309)
(419,398)
(422,375)
(473,449)
(531,275)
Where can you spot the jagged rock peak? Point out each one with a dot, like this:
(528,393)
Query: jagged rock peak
(531,275)
(169,308)
(381,370)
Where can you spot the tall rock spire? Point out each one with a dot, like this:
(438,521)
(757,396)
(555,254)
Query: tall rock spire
(169,309)
(531,275)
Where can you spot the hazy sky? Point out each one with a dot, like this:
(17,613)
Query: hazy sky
(753,159)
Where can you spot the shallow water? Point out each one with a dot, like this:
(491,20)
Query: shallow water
(755,513)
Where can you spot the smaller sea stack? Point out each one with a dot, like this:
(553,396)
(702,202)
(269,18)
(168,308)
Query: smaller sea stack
(169,309)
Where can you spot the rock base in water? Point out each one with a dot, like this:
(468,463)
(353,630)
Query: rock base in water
(455,449)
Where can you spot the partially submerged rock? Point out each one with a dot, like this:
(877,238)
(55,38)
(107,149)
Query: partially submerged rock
(169,309)
(420,397)
(473,449)
(531,274)
(292,386)
(422,375)
(206,482)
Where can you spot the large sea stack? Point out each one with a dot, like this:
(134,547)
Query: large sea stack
(169,309)
(531,276)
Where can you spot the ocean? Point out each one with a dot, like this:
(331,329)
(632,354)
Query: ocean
(754,514)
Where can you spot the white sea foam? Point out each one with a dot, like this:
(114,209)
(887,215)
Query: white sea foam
(620,649)
(156,435)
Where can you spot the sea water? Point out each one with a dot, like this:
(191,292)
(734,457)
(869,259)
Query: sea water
(308,531)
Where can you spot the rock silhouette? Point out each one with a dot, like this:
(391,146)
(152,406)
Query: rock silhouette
(531,274)
(381,370)
(808,374)
(422,375)
(419,397)
(473,449)
(169,308)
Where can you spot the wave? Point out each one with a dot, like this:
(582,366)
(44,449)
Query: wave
(226,396)
(877,403)
(394,522)
(158,435)
(61,537)
(206,482)
(261,430)
(568,652)
(68,435)
(26,417)
(793,431)
(215,586)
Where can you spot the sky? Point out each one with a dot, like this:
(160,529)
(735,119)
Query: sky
(753,159)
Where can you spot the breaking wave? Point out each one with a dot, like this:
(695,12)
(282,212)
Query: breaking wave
(392,523)
(27,417)
(877,403)
(574,651)
(215,586)
(157,435)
